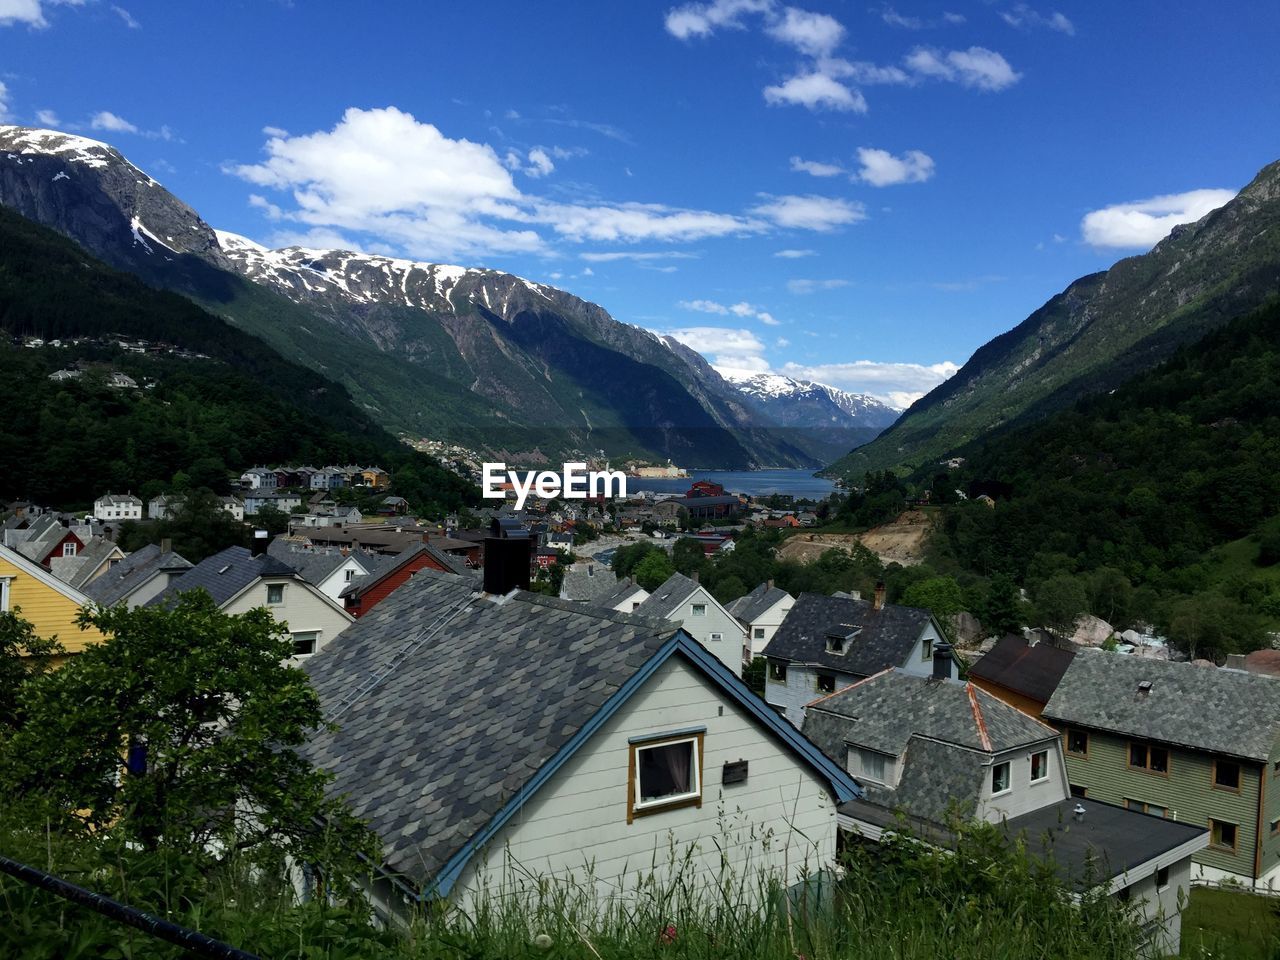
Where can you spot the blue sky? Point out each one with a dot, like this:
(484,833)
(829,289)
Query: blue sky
(856,192)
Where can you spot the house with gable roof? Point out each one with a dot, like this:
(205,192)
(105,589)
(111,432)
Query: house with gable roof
(49,604)
(329,569)
(931,750)
(703,617)
(626,597)
(138,577)
(826,643)
(761,612)
(362,594)
(606,743)
(1022,671)
(1194,744)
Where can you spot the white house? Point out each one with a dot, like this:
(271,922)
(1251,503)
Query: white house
(601,745)
(761,612)
(329,569)
(233,506)
(239,582)
(928,749)
(703,617)
(259,478)
(826,643)
(113,506)
(284,502)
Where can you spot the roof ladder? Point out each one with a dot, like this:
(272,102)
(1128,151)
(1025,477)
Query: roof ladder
(428,632)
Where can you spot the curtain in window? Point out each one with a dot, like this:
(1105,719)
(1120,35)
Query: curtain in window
(666,771)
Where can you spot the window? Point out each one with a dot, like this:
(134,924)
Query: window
(1141,806)
(1145,756)
(350,575)
(4,594)
(778,671)
(1226,775)
(758,632)
(1162,878)
(835,644)
(826,683)
(275,593)
(1078,742)
(1000,781)
(1040,766)
(69,549)
(699,609)
(717,636)
(1275,827)
(1222,835)
(926,649)
(304,644)
(666,774)
(1079,792)
(870,764)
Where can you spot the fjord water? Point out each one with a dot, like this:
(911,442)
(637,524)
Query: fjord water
(792,483)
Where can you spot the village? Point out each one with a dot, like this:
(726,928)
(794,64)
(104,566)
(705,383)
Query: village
(825,719)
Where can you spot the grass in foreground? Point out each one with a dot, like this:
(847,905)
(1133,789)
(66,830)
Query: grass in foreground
(1230,924)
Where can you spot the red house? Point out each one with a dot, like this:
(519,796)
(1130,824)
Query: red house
(364,593)
(705,488)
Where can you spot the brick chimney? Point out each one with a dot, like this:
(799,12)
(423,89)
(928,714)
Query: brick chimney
(878,602)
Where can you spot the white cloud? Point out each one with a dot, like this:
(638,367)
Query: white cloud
(640,221)
(4,101)
(782,342)
(813,34)
(588,272)
(811,212)
(792,254)
(22,11)
(703,19)
(816,90)
(897,384)
(895,19)
(804,286)
(106,120)
(612,255)
(1022,16)
(539,163)
(736,349)
(741,309)
(880,168)
(860,71)
(704,306)
(1144,223)
(47,118)
(977,67)
(129,20)
(815,168)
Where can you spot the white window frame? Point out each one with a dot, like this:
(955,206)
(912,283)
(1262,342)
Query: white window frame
(757,633)
(1045,766)
(275,586)
(4,594)
(699,610)
(716,636)
(926,653)
(69,549)
(1008,778)
(884,760)
(315,645)
(640,806)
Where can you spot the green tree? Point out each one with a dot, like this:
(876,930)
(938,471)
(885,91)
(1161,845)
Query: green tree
(181,731)
(688,556)
(198,528)
(730,588)
(626,559)
(653,571)
(271,519)
(1059,602)
(940,595)
(1110,595)
(1213,625)
(1003,610)
(24,655)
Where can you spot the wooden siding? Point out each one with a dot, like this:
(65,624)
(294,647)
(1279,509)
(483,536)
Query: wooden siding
(51,613)
(1024,703)
(360,605)
(1187,793)
(730,648)
(782,818)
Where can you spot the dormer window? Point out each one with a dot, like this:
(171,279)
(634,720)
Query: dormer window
(839,637)
(871,765)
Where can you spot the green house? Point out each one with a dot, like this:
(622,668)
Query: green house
(1195,744)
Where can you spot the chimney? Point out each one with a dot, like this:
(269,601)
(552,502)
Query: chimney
(695,576)
(166,545)
(878,603)
(769,584)
(1079,812)
(508,551)
(1235,661)
(942,661)
(260,540)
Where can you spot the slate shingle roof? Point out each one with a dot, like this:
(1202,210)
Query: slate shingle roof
(585,586)
(664,601)
(887,636)
(624,590)
(1200,708)
(78,569)
(433,752)
(944,731)
(132,572)
(1033,671)
(224,575)
(757,602)
(314,566)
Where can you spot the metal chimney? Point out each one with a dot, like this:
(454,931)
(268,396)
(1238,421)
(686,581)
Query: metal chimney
(942,661)
(508,552)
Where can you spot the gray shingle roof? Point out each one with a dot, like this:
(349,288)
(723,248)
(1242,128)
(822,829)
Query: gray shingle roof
(664,601)
(588,586)
(885,637)
(314,566)
(757,602)
(224,575)
(944,730)
(432,753)
(78,569)
(1200,708)
(132,572)
(624,590)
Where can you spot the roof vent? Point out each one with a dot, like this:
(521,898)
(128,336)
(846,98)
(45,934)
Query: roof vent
(225,569)
(1144,688)
(1079,812)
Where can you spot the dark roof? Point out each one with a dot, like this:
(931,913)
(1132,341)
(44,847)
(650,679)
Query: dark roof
(664,601)
(314,566)
(625,590)
(757,602)
(360,585)
(884,639)
(433,753)
(132,572)
(1107,842)
(1031,670)
(224,575)
(716,501)
(1218,711)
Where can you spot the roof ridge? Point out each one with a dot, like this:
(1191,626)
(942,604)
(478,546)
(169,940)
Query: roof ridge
(978,719)
(856,683)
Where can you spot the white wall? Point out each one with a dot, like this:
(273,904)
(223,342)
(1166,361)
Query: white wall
(304,609)
(337,581)
(580,815)
(915,662)
(769,621)
(733,638)
(1024,796)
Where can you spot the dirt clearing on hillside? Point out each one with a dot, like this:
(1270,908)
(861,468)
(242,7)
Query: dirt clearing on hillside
(901,541)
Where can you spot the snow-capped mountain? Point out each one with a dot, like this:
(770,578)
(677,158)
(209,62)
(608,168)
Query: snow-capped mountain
(774,388)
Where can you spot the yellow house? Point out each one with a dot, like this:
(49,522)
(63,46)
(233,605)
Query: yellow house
(375,477)
(49,604)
